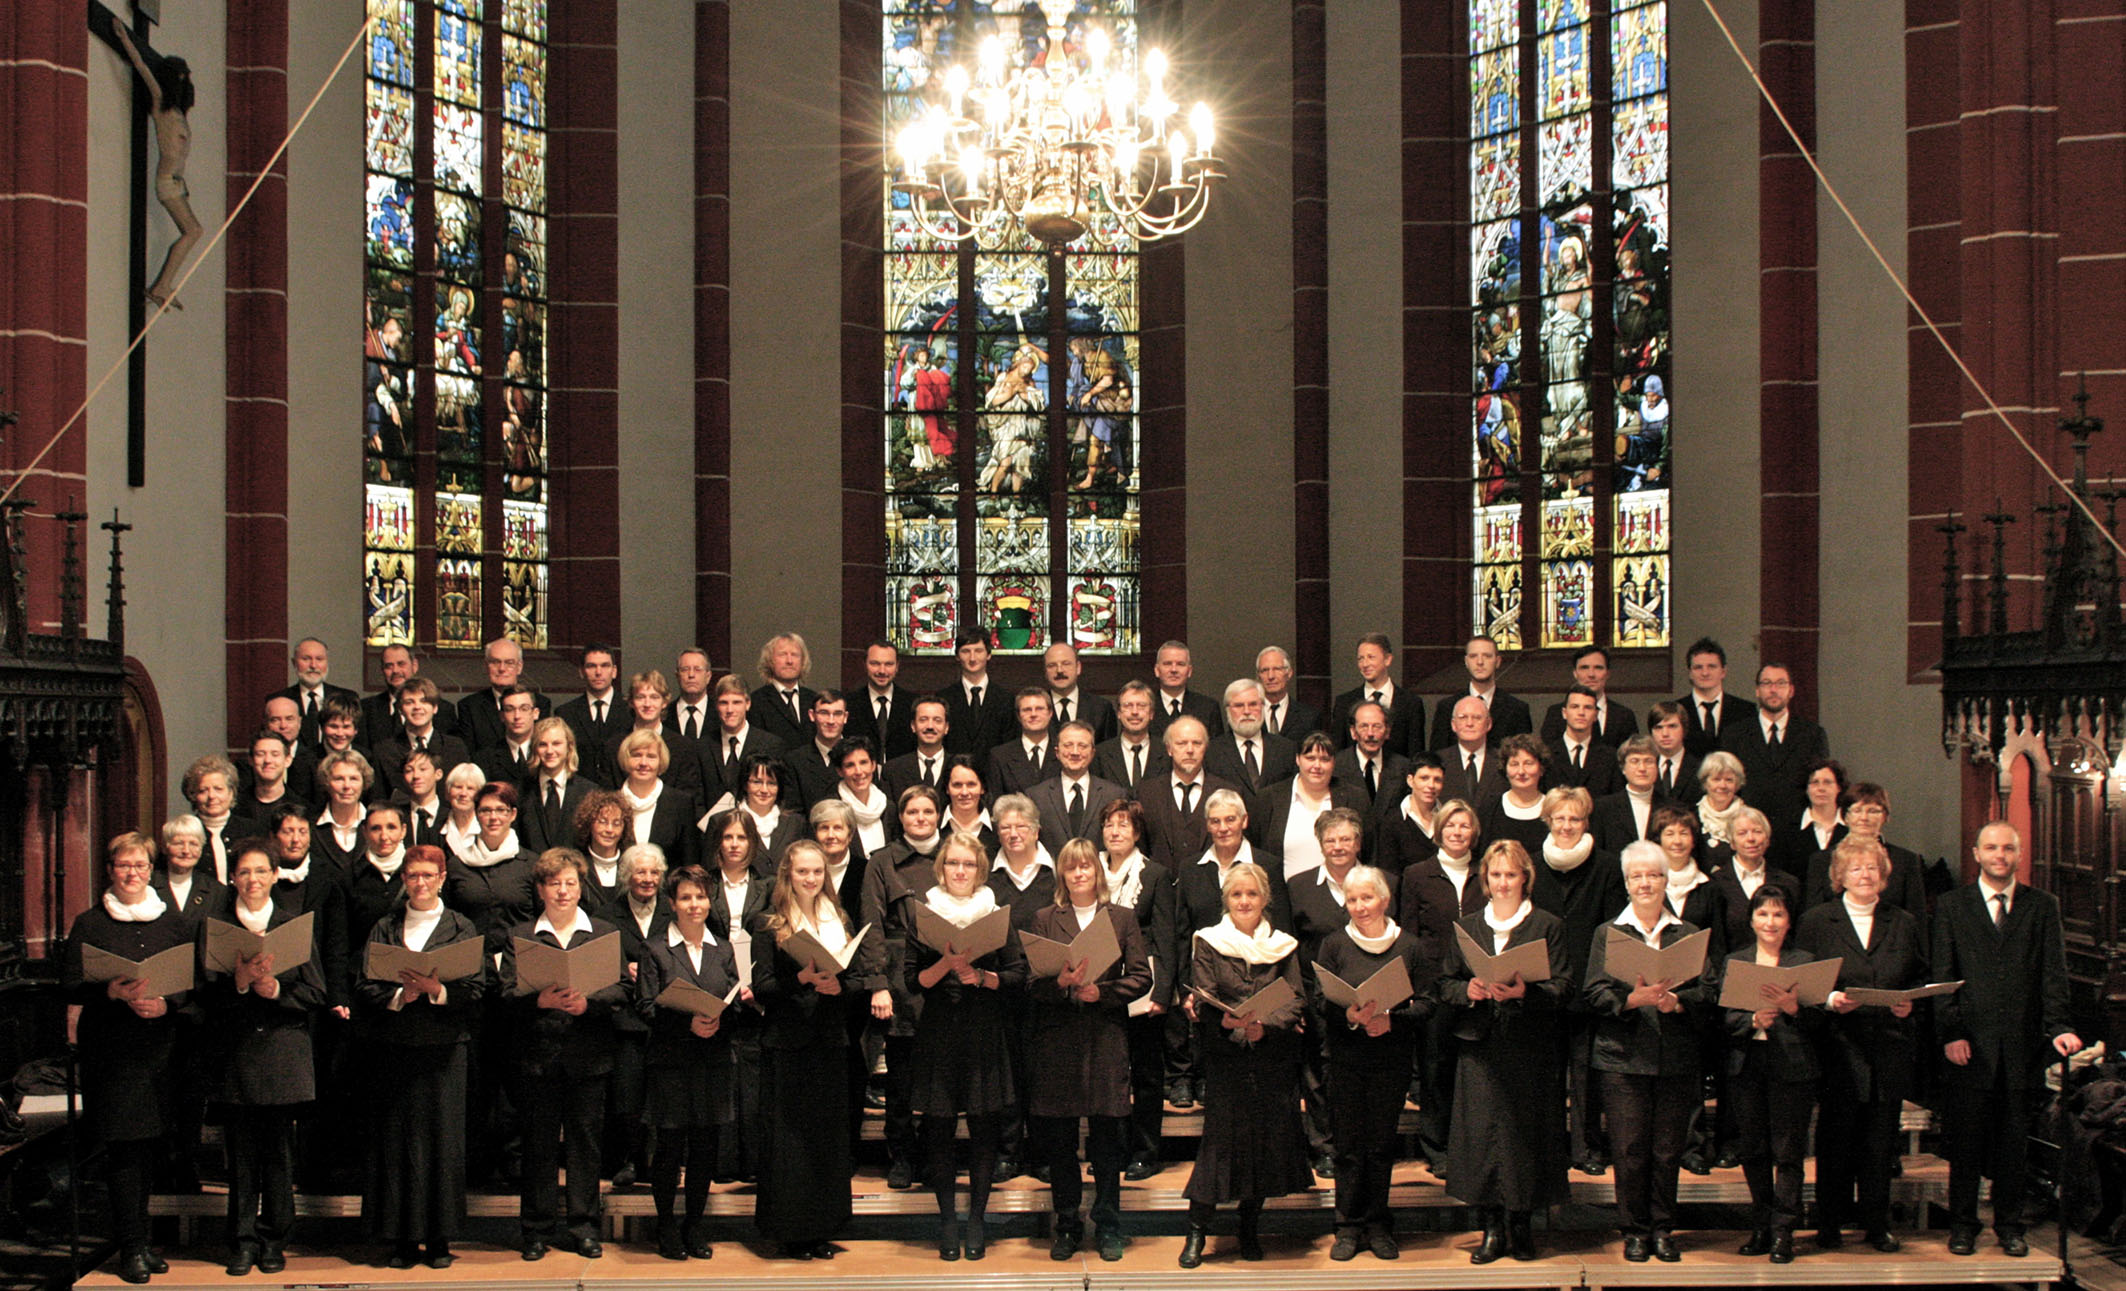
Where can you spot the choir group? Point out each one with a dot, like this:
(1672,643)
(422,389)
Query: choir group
(688,935)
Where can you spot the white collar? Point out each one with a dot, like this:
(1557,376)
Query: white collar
(1041,861)
(1032,745)
(1069,781)
(1210,855)
(1384,686)
(724,738)
(1991,891)
(673,939)
(558,779)
(1765,721)
(1630,923)
(582,924)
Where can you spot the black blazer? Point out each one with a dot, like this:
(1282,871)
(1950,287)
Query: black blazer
(1621,726)
(1789,1046)
(593,738)
(1490,784)
(1600,777)
(539,828)
(1050,799)
(898,735)
(1868,1054)
(1406,719)
(1393,774)
(1645,1041)
(499,767)
(1398,841)
(1170,838)
(1157,908)
(446,750)
(714,744)
(1275,756)
(310,734)
(672,828)
(202,897)
(549,1042)
(1199,706)
(260,1048)
(1299,718)
(976,731)
(1537,1009)
(2014,998)
(1111,761)
(1091,709)
(1735,713)
(321,895)
(684,770)
(1426,905)
(1198,904)
(1009,770)
(1773,780)
(419,1023)
(907,769)
(1686,789)
(1613,823)
(1736,905)
(480,718)
(813,780)
(771,715)
(1906,886)
(1509,716)
(672,1039)
(1269,824)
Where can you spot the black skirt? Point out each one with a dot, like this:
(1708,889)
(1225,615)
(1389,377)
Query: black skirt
(805,1169)
(1252,1144)
(415,1190)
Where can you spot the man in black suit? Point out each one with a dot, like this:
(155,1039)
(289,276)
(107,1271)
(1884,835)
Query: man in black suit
(980,712)
(312,661)
(1370,764)
(1173,666)
(1776,748)
(1579,759)
(782,699)
(1866,814)
(511,761)
(598,716)
(811,764)
(1614,723)
(1509,713)
(1018,765)
(2002,940)
(267,788)
(1070,802)
(925,762)
(1246,754)
(419,727)
(884,710)
(1283,713)
(1675,766)
(1072,702)
(546,811)
(1133,754)
(1173,798)
(284,719)
(427,810)
(1625,815)
(723,751)
(1709,712)
(692,713)
(1474,773)
(380,712)
(480,713)
(1376,673)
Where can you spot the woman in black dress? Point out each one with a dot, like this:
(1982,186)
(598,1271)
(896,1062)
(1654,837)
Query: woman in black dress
(961,1060)
(1869,1051)
(767,787)
(738,898)
(642,914)
(1145,888)
(490,879)
(563,1060)
(1078,1056)
(1370,1051)
(258,1030)
(601,821)
(689,1096)
(415,1032)
(659,811)
(126,1039)
(1518,813)
(1773,1069)
(804,1192)
(967,802)
(1253,1146)
(1585,888)
(1506,1141)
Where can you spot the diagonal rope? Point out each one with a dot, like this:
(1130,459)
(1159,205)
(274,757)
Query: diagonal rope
(197,261)
(1903,289)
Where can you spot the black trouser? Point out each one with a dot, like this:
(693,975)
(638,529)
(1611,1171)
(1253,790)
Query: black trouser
(1314,1090)
(625,1135)
(695,1149)
(1147,1085)
(1772,1137)
(129,1171)
(1180,1044)
(1649,1122)
(1989,1135)
(1435,1076)
(938,1155)
(562,1113)
(739,1146)
(1856,1146)
(260,1142)
(1106,1143)
(1583,1107)
(901,1140)
(858,1053)
(1365,1103)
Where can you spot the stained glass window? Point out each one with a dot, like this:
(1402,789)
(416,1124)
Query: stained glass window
(455,444)
(1010,394)
(1590,384)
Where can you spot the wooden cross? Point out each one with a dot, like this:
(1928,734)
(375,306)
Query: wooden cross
(103,24)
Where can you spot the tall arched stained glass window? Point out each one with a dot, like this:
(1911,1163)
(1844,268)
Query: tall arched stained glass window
(454,348)
(1570,428)
(1009,390)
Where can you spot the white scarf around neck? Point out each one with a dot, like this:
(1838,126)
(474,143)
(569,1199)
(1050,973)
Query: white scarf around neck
(1566,860)
(870,810)
(961,911)
(1720,825)
(387,866)
(1125,882)
(1373,945)
(477,855)
(296,875)
(1265,946)
(150,907)
(1504,927)
(254,920)
(1680,883)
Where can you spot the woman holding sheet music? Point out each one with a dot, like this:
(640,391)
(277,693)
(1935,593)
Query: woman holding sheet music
(737,899)
(1506,1139)
(415,1029)
(1646,1056)
(1772,1072)
(804,1191)
(1146,889)
(1869,1049)
(1370,1050)
(564,1058)
(961,1060)
(690,1068)
(1077,1059)
(258,1033)
(127,1037)
(1252,1146)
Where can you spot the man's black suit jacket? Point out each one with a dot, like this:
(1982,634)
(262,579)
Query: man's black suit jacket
(1011,771)
(2014,996)
(1491,779)
(538,827)
(446,751)
(1111,761)
(1406,720)
(1509,716)
(711,751)
(1393,778)
(1201,707)
(593,737)
(976,731)
(310,734)
(772,715)
(1622,724)
(480,719)
(1735,713)
(1774,779)
(1091,709)
(813,779)
(1299,717)
(1050,799)
(897,736)
(1613,822)
(1274,761)
(1172,839)
(1600,776)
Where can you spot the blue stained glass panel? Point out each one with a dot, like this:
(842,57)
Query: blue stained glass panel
(1638,51)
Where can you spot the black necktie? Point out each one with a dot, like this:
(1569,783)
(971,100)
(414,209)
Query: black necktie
(428,824)
(1188,798)
(789,702)
(692,727)
(730,761)
(1376,698)
(2000,909)
(1668,774)
(1709,723)
(1033,755)
(517,757)
(885,706)
(553,797)
(1077,811)
(1063,710)
(1469,768)
(930,772)
(1372,779)
(1275,726)
(974,697)
(1772,741)
(1136,765)
(1579,757)
(1247,758)
(598,711)
(420,743)
(309,705)
(1173,708)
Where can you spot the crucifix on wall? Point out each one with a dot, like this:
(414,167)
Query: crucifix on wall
(162,97)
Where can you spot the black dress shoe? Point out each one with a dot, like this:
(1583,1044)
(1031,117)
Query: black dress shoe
(1191,1249)
(1727,1160)
(533,1250)
(439,1256)
(272,1259)
(1829,1239)
(794,1251)
(976,1241)
(1141,1169)
(1045,1173)
(1520,1236)
(900,1176)
(156,1263)
(590,1248)
(1325,1166)
(133,1267)
(1695,1163)
(669,1247)
(403,1256)
(1760,1243)
(1068,1238)
(1384,1248)
(1782,1248)
(874,1096)
(1345,1247)
(1964,1244)
(824,1250)
(1492,1248)
(1112,1244)
(242,1260)
(697,1240)
(1590,1165)
(624,1177)
(2015,1246)
(1006,1168)
(1885,1241)
(1637,1249)
(1181,1095)
(1665,1249)
(949,1238)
